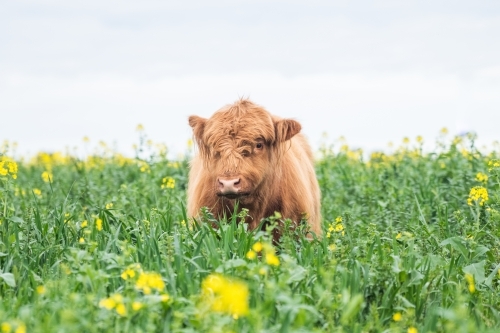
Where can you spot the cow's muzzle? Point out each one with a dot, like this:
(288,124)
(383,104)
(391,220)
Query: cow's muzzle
(230,188)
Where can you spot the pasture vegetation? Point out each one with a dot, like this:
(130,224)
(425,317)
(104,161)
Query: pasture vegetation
(102,244)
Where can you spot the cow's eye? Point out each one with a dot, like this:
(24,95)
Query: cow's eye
(259,145)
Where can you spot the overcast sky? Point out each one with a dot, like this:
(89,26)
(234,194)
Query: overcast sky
(372,71)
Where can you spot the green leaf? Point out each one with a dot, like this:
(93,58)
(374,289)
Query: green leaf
(351,309)
(9,279)
(297,274)
(456,243)
(16,219)
(476,270)
(494,272)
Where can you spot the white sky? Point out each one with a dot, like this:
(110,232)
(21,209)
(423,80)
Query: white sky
(373,72)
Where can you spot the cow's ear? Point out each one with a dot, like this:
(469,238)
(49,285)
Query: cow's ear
(286,129)
(198,125)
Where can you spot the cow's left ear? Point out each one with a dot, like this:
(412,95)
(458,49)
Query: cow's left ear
(286,129)
(198,125)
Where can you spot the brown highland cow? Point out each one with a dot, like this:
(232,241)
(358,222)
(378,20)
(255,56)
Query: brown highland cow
(247,154)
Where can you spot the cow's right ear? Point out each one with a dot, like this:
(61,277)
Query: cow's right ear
(285,129)
(198,125)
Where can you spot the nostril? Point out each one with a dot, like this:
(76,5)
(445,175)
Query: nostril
(237,182)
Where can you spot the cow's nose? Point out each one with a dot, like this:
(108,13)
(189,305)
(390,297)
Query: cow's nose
(229,186)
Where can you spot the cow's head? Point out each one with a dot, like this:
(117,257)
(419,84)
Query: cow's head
(239,146)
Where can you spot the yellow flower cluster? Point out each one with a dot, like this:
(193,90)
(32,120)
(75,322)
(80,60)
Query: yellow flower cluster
(397,316)
(470,283)
(336,227)
(269,254)
(168,182)
(47,176)
(6,327)
(98,224)
(144,167)
(494,164)
(481,177)
(146,281)
(225,295)
(8,167)
(41,290)
(49,160)
(477,194)
(404,234)
(114,302)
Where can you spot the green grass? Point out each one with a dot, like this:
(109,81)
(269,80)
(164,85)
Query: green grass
(408,244)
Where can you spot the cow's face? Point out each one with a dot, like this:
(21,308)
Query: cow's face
(239,146)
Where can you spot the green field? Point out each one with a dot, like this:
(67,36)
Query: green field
(102,244)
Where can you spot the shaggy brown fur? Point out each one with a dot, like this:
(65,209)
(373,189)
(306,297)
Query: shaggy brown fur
(267,163)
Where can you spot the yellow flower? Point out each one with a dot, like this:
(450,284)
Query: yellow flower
(84,224)
(397,316)
(144,167)
(272,259)
(37,192)
(8,167)
(338,219)
(40,290)
(420,139)
(98,224)
(263,271)
(109,205)
(225,295)
(339,227)
(120,309)
(477,194)
(251,255)
(47,176)
(168,182)
(107,303)
(128,273)
(139,128)
(117,298)
(444,131)
(470,281)
(136,306)
(481,177)
(148,281)
(412,329)
(332,247)
(406,140)
(164,298)
(399,235)
(81,240)
(257,247)
(6,327)
(86,139)
(189,143)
